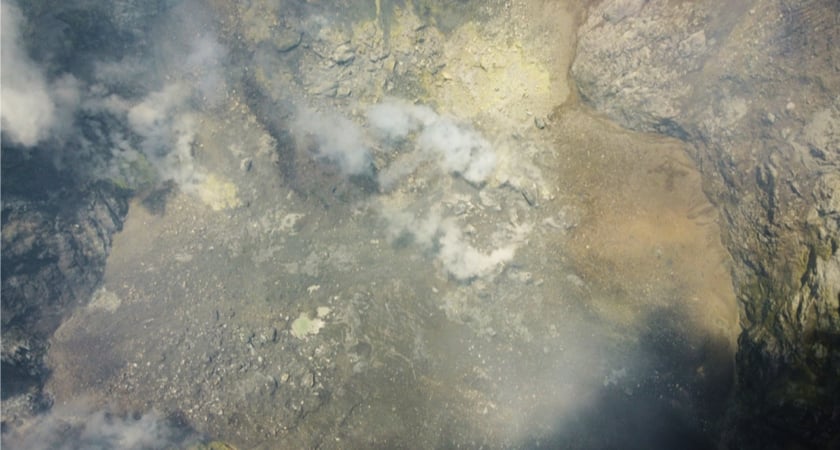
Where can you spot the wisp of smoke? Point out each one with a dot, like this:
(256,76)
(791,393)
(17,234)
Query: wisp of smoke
(443,235)
(205,65)
(464,261)
(457,148)
(168,133)
(336,138)
(75,426)
(394,119)
(29,111)
(461,150)
(110,128)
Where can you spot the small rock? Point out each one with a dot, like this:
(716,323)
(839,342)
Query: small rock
(246,164)
(328,88)
(308,380)
(487,199)
(530,197)
(343,91)
(344,54)
(287,40)
(459,209)
(539,122)
(379,56)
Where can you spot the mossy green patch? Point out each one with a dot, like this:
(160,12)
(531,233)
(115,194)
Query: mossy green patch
(135,174)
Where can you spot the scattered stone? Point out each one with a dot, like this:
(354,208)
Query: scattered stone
(487,199)
(344,54)
(379,56)
(654,88)
(530,197)
(343,91)
(327,88)
(308,380)
(287,40)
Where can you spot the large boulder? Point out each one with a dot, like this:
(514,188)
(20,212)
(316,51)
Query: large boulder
(755,87)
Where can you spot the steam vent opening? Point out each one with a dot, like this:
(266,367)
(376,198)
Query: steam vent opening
(380,224)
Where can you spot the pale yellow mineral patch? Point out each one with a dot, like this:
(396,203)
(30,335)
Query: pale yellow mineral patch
(491,74)
(105,300)
(305,326)
(217,192)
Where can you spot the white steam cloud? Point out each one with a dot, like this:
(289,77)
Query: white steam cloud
(156,130)
(395,119)
(168,132)
(465,262)
(335,138)
(458,149)
(31,107)
(461,150)
(167,119)
(159,129)
(75,426)
(446,238)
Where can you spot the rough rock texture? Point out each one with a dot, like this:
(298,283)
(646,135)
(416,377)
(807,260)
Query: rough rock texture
(55,243)
(755,87)
(57,218)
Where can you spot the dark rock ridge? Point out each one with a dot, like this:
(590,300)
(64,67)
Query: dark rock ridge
(56,238)
(58,215)
(755,87)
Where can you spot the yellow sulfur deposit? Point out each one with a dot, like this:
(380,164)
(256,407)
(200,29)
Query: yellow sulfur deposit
(489,74)
(218,193)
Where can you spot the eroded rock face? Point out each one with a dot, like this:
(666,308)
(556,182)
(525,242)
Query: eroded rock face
(55,243)
(755,87)
(59,209)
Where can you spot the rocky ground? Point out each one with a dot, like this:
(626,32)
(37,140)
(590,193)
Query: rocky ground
(397,225)
(756,94)
(55,244)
